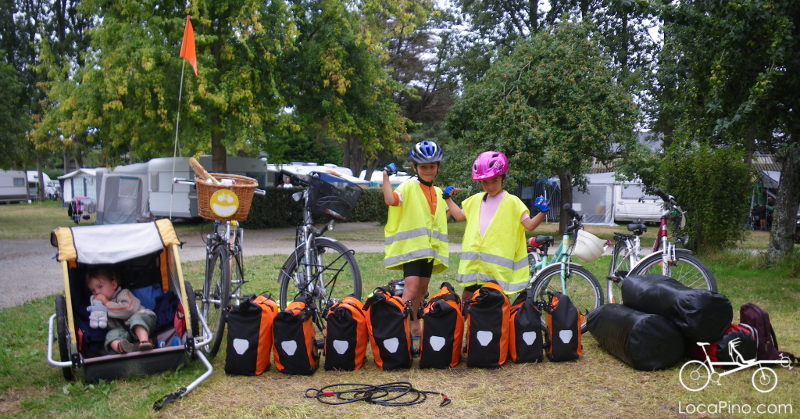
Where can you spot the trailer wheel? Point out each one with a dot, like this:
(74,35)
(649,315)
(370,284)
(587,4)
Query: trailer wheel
(63,336)
(195,321)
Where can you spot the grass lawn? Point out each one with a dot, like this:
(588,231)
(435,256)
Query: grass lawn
(596,386)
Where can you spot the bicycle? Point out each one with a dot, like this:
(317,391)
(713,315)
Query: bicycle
(321,271)
(224,270)
(562,275)
(666,258)
(695,375)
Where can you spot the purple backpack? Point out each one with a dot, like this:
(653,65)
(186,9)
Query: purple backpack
(758,318)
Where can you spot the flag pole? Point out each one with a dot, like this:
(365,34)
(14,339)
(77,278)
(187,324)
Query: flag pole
(175,148)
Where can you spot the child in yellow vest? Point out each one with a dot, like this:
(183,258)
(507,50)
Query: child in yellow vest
(416,229)
(494,238)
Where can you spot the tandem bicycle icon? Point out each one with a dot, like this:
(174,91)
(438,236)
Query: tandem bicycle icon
(695,375)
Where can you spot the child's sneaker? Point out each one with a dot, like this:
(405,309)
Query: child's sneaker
(145,346)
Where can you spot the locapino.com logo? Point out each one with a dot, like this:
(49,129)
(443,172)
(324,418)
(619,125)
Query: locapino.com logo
(696,375)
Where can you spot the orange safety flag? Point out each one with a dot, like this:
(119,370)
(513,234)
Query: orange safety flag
(187,47)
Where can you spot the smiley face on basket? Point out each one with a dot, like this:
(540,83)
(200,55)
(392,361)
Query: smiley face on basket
(224,203)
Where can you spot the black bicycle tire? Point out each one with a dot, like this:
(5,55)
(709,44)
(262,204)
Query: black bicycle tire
(220,290)
(63,336)
(684,257)
(542,279)
(290,265)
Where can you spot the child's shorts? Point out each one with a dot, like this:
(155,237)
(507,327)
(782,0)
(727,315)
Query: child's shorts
(421,267)
(147,321)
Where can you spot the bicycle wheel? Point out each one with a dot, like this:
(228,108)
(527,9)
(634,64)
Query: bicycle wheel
(194,323)
(237,280)
(335,275)
(687,269)
(694,375)
(765,379)
(216,296)
(581,286)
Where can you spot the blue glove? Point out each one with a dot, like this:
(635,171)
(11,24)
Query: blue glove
(98,319)
(448,192)
(390,169)
(541,204)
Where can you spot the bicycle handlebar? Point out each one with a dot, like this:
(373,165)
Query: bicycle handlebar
(666,197)
(576,218)
(182,181)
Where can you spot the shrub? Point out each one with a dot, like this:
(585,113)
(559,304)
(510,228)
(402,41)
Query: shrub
(277,209)
(713,186)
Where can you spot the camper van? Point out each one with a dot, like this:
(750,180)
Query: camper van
(131,191)
(633,204)
(13,187)
(50,191)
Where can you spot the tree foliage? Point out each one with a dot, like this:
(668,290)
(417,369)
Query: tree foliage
(552,107)
(730,74)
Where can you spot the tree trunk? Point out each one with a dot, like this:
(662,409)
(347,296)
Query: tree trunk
(353,156)
(784,218)
(566,198)
(40,186)
(219,162)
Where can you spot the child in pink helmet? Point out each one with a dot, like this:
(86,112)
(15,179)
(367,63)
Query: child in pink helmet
(494,238)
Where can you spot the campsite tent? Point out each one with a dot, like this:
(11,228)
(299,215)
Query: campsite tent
(82,182)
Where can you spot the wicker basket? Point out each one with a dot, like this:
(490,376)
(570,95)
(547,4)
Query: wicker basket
(244,187)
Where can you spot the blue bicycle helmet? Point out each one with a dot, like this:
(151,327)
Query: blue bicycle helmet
(426,152)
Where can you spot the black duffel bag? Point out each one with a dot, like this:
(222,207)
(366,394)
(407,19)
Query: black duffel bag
(701,315)
(644,341)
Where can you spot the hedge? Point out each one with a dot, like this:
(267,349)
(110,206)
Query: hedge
(277,209)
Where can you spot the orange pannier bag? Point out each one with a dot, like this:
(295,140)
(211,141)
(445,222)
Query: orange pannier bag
(295,348)
(488,314)
(250,336)
(387,320)
(346,335)
(442,330)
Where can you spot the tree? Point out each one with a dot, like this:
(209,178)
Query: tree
(730,75)
(336,81)
(13,120)
(552,107)
(124,98)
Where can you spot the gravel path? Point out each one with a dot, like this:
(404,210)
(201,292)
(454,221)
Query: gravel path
(28,269)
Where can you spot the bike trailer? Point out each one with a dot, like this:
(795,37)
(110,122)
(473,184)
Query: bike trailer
(145,260)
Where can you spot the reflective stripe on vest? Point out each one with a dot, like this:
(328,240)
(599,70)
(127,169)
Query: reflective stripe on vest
(481,260)
(413,233)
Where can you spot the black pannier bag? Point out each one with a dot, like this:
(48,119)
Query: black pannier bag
(701,315)
(295,348)
(250,336)
(563,329)
(442,330)
(525,329)
(346,335)
(387,320)
(487,327)
(738,345)
(644,341)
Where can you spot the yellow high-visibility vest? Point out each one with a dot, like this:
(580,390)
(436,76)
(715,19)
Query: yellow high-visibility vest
(413,233)
(500,254)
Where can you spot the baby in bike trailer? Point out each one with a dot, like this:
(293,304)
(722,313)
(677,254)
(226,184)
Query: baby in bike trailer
(120,310)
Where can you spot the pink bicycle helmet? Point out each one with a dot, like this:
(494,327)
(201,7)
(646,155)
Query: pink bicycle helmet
(488,165)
